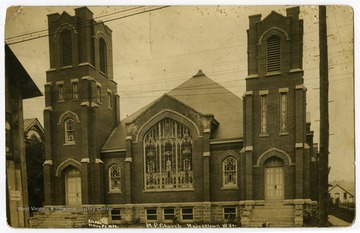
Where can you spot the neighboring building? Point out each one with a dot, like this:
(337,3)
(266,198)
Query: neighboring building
(33,130)
(35,154)
(18,86)
(198,153)
(339,195)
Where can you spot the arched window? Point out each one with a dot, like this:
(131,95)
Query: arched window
(102,55)
(230,172)
(66,48)
(168,156)
(69,131)
(273,54)
(114,178)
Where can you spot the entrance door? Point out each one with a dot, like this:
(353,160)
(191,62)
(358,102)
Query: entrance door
(274,183)
(73,187)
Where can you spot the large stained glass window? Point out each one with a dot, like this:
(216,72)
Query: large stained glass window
(168,156)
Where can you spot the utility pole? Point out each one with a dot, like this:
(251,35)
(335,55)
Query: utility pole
(324,121)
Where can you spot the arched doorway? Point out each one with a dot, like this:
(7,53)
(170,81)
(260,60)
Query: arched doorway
(73,187)
(274,179)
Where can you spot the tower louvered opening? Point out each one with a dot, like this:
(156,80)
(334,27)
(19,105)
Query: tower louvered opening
(66,48)
(273,54)
(102,55)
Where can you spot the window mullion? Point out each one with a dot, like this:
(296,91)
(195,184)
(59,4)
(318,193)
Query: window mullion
(160,156)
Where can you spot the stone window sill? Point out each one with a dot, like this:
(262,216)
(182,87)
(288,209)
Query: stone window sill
(69,144)
(233,187)
(115,192)
(168,190)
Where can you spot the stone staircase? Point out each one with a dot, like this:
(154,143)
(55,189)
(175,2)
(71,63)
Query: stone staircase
(59,219)
(272,215)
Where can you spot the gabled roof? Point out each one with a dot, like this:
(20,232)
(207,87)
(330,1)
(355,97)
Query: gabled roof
(30,122)
(209,97)
(341,188)
(273,15)
(14,69)
(202,95)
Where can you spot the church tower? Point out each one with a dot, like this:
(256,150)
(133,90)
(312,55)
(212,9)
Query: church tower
(276,154)
(81,108)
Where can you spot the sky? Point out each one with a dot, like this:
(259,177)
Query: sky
(155,52)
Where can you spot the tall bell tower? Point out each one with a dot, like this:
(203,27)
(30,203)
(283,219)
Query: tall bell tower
(81,107)
(276,152)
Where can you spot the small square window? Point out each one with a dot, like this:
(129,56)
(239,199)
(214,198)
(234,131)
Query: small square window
(187,214)
(229,213)
(151,214)
(115,214)
(169,214)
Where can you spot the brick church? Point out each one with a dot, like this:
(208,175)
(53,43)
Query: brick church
(197,154)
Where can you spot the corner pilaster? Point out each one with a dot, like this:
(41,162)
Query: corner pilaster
(128,162)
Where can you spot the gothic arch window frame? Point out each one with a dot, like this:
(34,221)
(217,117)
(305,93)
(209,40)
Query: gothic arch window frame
(230,172)
(167,151)
(65,164)
(73,44)
(274,152)
(139,133)
(102,53)
(111,178)
(263,40)
(66,115)
(69,131)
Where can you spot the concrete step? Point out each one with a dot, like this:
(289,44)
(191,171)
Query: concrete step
(259,225)
(59,219)
(274,214)
(285,207)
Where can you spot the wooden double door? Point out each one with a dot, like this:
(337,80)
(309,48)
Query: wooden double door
(73,187)
(274,180)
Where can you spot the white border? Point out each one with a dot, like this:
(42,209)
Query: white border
(6,3)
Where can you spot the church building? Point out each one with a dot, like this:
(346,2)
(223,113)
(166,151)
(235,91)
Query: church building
(197,154)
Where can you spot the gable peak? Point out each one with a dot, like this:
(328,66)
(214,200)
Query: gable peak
(199,73)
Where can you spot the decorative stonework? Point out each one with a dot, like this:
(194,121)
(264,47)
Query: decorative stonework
(131,129)
(246,215)
(205,123)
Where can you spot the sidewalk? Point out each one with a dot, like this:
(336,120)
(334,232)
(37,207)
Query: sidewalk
(337,222)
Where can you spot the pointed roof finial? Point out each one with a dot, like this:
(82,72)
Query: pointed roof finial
(199,73)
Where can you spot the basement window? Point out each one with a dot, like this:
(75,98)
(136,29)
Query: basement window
(229,213)
(187,214)
(169,213)
(151,214)
(116,214)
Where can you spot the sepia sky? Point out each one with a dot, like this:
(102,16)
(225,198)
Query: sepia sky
(155,52)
